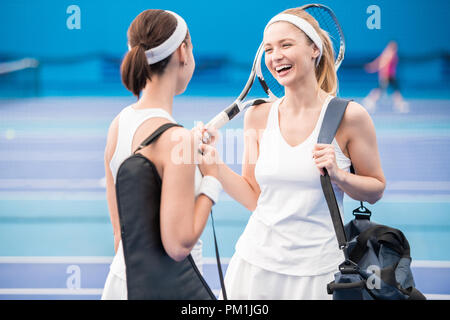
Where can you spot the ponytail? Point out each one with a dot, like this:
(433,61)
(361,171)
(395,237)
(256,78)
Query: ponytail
(326,71)
(148,30)
(135,70)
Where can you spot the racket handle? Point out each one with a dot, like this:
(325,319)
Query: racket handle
(217,122)
(229,113)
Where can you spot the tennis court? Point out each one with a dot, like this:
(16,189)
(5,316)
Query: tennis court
(60,88)
(55,234)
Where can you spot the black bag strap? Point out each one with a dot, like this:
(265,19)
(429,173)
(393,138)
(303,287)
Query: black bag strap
(156,134)
(415,294)
(153,137)
(219,265)
(332,119)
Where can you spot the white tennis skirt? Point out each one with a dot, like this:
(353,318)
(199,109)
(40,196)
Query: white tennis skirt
(245,281)
(116,282)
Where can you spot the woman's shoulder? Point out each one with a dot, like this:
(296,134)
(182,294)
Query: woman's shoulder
(111,140)
(256,116)
(170,136)
(356,114)
(114,125)
(357,121)
(174,146)
(176,138)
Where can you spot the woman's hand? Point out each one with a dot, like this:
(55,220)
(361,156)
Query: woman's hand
(325,157)
(208,161)
(203,132)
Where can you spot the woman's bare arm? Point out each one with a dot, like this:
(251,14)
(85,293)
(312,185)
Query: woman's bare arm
(368,183)
(110,186)
(183,217)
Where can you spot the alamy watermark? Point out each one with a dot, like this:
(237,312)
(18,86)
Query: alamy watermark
(374,20)
(74,20)
(74,279)
(374,280)
(228,145)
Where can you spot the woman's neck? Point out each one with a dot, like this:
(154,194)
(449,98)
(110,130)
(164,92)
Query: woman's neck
(304,95)
(158,93)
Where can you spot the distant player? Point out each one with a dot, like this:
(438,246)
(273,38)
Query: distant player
(386,66)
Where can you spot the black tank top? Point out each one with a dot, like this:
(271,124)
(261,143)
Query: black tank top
(151,273)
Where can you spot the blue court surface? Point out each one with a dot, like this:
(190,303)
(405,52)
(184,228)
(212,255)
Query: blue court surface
(55,234)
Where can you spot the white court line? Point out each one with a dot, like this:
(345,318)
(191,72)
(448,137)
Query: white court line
(83,259)
(418,185)
(408,198)
(437,296)
(99,291)
(43,259)
(212,260)
(66,156)
(430,264)
(51,291)
(68,184)
(53,195)
(108,260)
(37,194)
(206,260)
(52,183)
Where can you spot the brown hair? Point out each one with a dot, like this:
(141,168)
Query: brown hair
(148,30)
(325,71)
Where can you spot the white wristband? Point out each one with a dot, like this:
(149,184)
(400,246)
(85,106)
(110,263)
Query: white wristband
(211,188)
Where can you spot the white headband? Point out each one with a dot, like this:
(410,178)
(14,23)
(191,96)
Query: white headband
(303,25)
(169,46)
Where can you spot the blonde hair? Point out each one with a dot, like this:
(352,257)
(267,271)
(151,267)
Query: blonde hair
(325,71)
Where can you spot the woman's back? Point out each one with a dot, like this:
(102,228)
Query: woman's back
(158,66)
(129,120)
(150,272)
(130,123)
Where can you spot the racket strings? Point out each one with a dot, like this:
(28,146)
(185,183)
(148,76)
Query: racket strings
(328,24)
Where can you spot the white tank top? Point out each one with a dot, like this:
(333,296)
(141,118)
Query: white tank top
(291,231)
(129,121)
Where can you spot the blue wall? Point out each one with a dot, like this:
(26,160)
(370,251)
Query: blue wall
(230,29)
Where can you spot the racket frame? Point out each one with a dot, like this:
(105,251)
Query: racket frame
(237,106)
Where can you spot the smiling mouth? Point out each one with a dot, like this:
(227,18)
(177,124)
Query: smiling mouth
(283,69)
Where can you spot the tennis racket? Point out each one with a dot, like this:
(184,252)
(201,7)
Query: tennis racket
(327,21)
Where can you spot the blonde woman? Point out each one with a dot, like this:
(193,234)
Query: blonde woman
(289,249)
